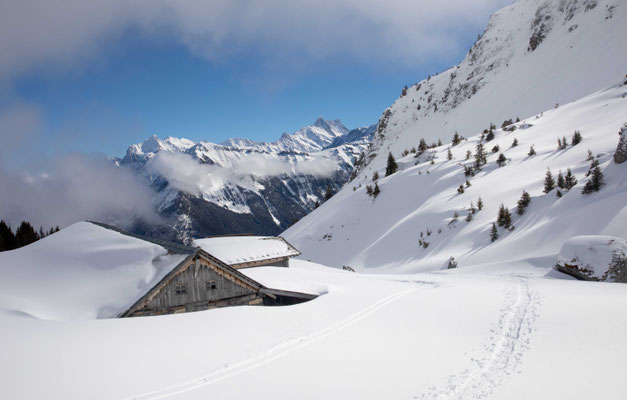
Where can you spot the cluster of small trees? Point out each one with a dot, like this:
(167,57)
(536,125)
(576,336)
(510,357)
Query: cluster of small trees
(24,235)
(562,143)
(503,219)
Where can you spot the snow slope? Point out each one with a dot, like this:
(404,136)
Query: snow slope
(583,50)
(504,331)
(383,233)
(82,272)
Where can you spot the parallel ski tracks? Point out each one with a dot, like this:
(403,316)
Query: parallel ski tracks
(279,350)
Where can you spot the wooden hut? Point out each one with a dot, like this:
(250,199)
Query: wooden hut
(200,282)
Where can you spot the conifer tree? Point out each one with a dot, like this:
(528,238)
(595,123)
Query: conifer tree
(576,138)
(569,180)
(25,234)
(593,165)
(480,156)
(469,216)
(449,155)
(392,166)
(504,218)
(590,156)
(375,176)
(468,154)
(595,182)
(376,190)
(422,147)
(439,142)
(456,139)
(515,142)
(369,190)
(479,204)
(460,189)
(549,182)
(501,160)
(561,182)
(496,148)
(524,201)
(532,151)
(8,238)
(490,135)
(494,233)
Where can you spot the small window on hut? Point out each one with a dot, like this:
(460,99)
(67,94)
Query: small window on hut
(180,288)
(211,285)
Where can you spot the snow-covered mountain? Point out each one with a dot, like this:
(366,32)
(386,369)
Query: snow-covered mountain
(558,65)
(241,185)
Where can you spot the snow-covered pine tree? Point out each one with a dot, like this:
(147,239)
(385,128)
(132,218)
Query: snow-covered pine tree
(596,181)
(576,138)
(449,155)
(561,182)
(501,160)
(504,217)
(524,201)
(479,204)
(456,139)
(376,190)
(549,182)
(392,166)
(569,180)
(480,156)
(494,233)
(532,151)
(515,142)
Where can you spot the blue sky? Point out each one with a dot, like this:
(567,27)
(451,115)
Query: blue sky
(98,87)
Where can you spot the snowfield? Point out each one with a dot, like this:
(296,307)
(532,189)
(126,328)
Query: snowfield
(505,331)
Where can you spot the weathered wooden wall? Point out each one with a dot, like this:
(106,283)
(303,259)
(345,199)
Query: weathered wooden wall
(195,275)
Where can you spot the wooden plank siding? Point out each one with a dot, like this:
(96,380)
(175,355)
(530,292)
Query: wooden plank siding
(231,288)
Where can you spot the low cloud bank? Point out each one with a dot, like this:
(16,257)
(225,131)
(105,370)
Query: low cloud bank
(73,188)
(186,174)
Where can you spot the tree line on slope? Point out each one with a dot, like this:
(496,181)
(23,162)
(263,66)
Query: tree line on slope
(24,235)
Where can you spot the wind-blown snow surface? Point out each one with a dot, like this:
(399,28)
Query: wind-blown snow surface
(384,233)
(82,272)
(503,330)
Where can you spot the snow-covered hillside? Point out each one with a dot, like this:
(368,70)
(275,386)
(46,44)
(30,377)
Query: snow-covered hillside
(244,186)
(417,204)
(579,47)
(557,65)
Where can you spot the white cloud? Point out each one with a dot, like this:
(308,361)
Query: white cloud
(74,188)
(185,173)
(64,33)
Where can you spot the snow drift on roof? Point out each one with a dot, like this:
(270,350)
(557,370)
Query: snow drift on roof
(82,272)
(240,249)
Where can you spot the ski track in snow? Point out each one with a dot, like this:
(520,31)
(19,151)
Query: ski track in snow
(506,346)
(279,350)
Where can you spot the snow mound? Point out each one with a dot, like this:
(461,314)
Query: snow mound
(82,272)
(594,257)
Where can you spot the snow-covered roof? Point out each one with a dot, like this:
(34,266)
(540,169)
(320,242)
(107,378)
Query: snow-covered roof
(241,249)
(84,271)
